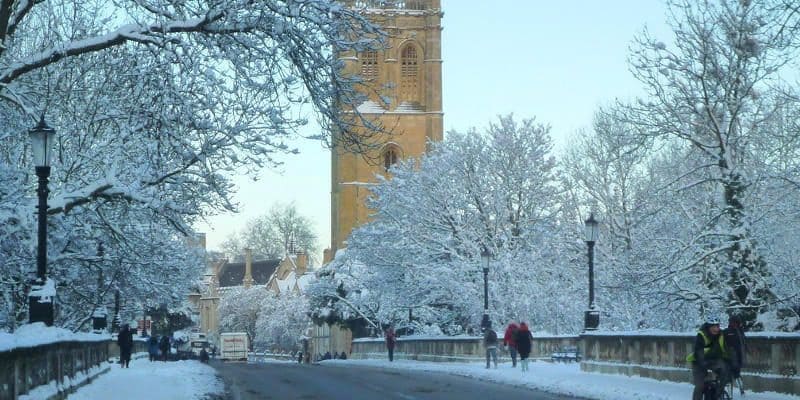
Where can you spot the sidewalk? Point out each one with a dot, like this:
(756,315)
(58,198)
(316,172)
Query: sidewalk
(178,380)
(564,379)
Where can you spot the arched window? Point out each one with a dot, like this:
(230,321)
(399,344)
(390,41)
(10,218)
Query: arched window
(369,65)
(409,74)
(390,157)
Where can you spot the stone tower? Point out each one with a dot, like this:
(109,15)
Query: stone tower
(408,72)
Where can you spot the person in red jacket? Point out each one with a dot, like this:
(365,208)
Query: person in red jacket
(510,342)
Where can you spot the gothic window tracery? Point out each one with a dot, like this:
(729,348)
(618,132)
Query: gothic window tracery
(409,74)
(390,157)
(369,65)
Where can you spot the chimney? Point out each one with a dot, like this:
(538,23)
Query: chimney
(248,268)
(302,263)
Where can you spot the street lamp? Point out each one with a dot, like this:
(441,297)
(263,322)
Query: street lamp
(485,256)
(592,231)
(43,291)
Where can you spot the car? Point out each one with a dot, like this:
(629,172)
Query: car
(566,354)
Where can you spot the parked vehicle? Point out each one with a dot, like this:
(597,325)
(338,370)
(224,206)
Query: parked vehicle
(566,354)
(234,346)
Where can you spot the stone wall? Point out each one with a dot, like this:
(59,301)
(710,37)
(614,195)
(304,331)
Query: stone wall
(449,349)
(771,361)
(67,364)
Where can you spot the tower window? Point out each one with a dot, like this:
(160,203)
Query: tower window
(409,74)
(369,65)
(390,156)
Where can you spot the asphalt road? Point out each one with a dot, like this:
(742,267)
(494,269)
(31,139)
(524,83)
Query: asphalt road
(288,381)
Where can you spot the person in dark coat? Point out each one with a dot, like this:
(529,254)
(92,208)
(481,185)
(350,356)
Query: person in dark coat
(391,340)
(299,357)
(152,348)
(125,343)
(203,355)
(735,340)
(490,343)
(164,346)
(524,340)
(510,342)
(343,356)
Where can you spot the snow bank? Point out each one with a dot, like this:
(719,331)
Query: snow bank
(36,334)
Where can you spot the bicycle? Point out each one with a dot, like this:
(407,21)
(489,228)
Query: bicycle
(714,388)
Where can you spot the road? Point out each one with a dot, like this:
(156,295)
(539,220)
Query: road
(287,381)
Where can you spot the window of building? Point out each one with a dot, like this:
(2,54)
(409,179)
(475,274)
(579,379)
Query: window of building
(390,157)
(369,65)
(409,74)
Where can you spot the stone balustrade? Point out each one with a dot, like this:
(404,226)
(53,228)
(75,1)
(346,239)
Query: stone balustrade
(59,367)
(771,360)
(456,348)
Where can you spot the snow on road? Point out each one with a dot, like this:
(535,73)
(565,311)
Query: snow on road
(566,379)
(180,380)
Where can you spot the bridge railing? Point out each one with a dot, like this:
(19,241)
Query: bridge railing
(51,370)
(453,349)
(772,359)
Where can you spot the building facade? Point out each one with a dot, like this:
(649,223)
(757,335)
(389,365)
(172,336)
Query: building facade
(403,90)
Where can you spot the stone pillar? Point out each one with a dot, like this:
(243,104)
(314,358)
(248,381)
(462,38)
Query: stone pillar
(248,268)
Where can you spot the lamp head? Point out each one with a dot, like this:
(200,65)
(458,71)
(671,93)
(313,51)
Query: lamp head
(42,137)
(592,229)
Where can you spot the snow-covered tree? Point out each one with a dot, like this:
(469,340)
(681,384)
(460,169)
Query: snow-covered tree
(713,90)
(494,189)
(239,309)
(156,105)
(282,229)
(282,322)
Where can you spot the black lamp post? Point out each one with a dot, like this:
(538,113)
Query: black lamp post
(592,316)
(42,295)
(100,314)
(485,256)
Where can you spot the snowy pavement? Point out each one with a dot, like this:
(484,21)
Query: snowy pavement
(179,380)
(566,379)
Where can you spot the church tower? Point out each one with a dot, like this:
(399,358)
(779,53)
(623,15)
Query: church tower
(407,72)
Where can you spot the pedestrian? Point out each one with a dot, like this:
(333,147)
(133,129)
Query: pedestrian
(391,340)
(125,342)
(327,355)
(152,348)
(490,342)
(510,343)
(524,341)
(164,346)
(343,356)
(300,357)
(735,341)
(204,356)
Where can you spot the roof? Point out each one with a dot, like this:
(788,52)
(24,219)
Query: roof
(232,274)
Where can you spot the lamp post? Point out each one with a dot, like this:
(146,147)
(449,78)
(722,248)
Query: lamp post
(592,231)
(43,291)
(485,256)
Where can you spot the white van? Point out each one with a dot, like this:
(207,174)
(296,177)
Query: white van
(233,346)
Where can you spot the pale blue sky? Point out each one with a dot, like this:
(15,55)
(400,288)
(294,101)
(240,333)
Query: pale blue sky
(557,61)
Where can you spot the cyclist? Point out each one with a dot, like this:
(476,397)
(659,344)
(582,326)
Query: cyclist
(709,353)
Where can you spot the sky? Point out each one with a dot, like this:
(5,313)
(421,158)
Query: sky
(556,61)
